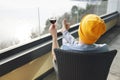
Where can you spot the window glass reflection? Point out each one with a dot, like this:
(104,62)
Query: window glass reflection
(25,21)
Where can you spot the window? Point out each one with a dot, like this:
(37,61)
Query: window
(24,20)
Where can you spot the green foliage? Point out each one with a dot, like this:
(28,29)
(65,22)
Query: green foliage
(73,17)
(74,10)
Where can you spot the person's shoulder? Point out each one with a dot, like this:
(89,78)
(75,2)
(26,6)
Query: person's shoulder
(102,47)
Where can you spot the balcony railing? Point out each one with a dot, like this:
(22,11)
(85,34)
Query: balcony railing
(15,57)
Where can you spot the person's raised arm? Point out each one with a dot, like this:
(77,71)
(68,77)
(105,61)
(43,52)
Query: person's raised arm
(53,31)
(66,35)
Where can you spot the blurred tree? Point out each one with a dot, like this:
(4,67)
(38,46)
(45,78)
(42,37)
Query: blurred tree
(73,16)
(34,35)
(7,43)
(47,24)
(74,10)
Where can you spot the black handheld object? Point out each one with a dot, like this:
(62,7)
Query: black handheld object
(52,20)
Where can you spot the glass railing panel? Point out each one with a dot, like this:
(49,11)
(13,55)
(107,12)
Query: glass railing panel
(17,25)
(21,22)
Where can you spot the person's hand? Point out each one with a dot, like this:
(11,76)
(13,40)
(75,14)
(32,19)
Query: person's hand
(65,25)
(53,31)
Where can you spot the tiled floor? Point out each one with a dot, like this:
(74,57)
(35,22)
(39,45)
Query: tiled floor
(115,68)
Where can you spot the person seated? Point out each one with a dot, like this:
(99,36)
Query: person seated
(91,28)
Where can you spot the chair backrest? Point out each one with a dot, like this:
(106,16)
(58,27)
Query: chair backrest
(83,66)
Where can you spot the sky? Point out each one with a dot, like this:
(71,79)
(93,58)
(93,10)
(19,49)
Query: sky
(19,17)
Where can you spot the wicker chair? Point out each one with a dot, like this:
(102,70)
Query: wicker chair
(83,66)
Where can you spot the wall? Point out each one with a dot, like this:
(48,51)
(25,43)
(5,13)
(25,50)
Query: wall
(114,5)
(32,70)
